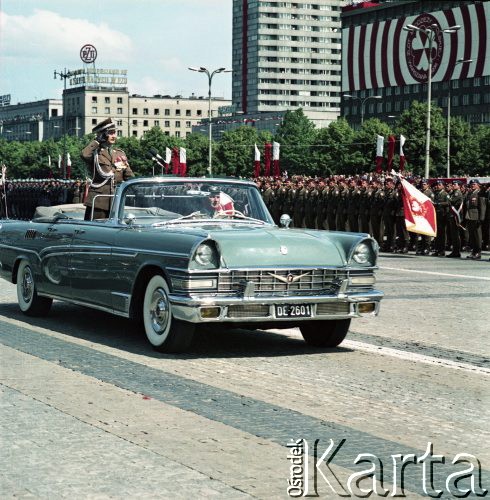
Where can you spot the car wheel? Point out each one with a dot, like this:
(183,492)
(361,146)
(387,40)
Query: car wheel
(165,333)
(30,302)
(325,333)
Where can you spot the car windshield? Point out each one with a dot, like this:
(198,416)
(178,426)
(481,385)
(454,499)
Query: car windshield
(161,203)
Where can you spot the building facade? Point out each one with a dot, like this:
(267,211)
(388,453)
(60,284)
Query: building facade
(385,67)
(91,99)
(286,55)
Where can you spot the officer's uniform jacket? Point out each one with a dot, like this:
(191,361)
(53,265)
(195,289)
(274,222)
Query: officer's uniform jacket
(110,167)
(475,206)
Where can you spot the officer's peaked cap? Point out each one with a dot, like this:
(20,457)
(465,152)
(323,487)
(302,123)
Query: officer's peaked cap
(107,124)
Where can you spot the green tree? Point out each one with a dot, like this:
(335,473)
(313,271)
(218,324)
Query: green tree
(363,151)
(235,152)
(412,124)
(332,152)
(197,150)
(296,134)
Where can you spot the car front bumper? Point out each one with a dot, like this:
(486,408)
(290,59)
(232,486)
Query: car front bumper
(263,309)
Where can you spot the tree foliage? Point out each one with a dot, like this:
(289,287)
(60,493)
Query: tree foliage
(336,149)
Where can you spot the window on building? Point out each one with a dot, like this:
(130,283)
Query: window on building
(167,112)
(119,123)
(135,122)
(119,133)
(94,121)
(187,112)
(107,110)
(156,111)
(107,100)
(188,124)
(145,111)
(476,98)
(167,132)
(466,99)
(135,133)
(177,112)
(199,112)
(135,111)
(145,123)
(119,111)
(94,109)
(177,124)
(156,123)
(119,100)
(167,123)
(177,134)
(94,98)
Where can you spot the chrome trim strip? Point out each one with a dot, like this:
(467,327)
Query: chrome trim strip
(86,304)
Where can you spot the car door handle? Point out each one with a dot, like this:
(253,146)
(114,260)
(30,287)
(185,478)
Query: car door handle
(52,229)
(79,231)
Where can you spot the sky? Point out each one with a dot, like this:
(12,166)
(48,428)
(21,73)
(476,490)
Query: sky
(155,40)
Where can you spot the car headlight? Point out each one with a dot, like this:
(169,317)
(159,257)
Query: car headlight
(205,257)
(364,254)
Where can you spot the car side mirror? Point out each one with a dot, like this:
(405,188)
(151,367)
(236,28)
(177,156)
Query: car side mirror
(285,220)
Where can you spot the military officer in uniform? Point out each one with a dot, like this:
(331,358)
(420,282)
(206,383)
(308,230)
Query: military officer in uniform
(474,206)
(441,204)
(110,167)
(454,220)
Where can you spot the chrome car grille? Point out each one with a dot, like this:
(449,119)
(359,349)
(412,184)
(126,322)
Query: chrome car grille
(282,283)
(272,282)
(332,308)
(248,311)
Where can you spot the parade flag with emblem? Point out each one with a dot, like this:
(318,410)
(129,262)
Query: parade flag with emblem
(420,214)
(183,162)
(257,162)
(276,170)
(267,158)
(225,203)
(391,152)
(402,154)
(168,158)
(379,153)
(175,161)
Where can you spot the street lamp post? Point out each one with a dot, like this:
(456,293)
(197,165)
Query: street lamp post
(448,173)
(430,33)
(210,79)
(362,101)
(63,76)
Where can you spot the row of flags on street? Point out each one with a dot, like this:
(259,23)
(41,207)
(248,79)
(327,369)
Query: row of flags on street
(391,153)
(271,159)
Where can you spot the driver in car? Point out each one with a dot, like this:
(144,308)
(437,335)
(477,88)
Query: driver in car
(221,203)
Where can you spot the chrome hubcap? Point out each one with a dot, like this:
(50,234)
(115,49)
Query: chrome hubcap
(27,286)
(159,311)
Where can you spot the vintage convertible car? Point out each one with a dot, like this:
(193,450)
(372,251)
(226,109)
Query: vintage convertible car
(179,252)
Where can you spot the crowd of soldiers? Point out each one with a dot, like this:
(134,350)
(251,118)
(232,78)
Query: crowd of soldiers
(19,198)
(373,204)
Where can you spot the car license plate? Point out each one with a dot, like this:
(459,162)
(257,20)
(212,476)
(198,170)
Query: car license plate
(293,311)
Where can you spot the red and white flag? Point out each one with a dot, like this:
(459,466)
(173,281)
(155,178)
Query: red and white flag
(59,162)
(391,152)
(420,214)
(168,158)
(257,162)
(276,170)
(183,162)
(175,161)
(267,158)
(379,153)
(223,203)
(68,166)
(402,154)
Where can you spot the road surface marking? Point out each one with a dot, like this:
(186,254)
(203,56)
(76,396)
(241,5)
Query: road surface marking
(436,274)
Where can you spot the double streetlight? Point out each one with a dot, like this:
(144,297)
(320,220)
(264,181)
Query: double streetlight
(362,101)
(210,79)
(430,33)
(448,173)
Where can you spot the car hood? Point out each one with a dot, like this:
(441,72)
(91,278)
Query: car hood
(277,247)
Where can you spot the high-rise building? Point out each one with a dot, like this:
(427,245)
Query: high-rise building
(286,55)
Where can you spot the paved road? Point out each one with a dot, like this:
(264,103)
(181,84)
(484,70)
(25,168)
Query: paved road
(88,410)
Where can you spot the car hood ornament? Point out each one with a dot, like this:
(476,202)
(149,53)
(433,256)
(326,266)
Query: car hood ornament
(290,278)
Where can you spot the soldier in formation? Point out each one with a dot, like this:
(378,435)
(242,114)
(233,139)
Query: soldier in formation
(373,204)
